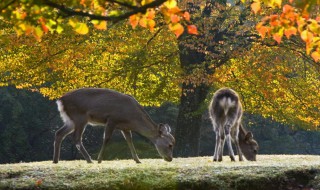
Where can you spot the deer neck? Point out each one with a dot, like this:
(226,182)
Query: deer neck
(147,128)
(242,134)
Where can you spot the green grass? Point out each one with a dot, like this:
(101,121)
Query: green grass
(269,172)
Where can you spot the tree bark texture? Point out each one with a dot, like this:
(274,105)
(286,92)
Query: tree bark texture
(187,132)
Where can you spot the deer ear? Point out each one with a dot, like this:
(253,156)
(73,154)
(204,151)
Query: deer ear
(168,128)
(164,129)
(249,136)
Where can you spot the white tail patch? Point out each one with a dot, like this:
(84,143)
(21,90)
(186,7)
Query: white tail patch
(65,118)
(226,104)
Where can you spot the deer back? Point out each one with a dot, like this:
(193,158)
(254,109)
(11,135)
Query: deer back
(225,103)
(100,105)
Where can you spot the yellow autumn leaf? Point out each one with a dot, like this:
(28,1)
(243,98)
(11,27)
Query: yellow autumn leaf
(82,28)
(144,2)
(102,25)
(277,3)
(38,33)
(151,24)
(170,4)
(72,22)
(177,28)
(255,6)
(306,36)
(316,56)
(59,29)
(143,22)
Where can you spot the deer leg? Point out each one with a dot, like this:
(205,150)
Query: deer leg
(228,138)
(217,146)
(106,137)
(221,147)
(128,136)
(236,141)
(59,136)
(79,129)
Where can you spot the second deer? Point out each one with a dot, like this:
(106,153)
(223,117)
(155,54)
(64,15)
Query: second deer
(225,112)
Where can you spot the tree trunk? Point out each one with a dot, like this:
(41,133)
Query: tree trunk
(187,132)
(192,57)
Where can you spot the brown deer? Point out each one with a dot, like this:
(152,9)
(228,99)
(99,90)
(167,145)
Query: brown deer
(114,110)
(225,112)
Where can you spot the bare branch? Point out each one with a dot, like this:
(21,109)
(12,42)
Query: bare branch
(155,34)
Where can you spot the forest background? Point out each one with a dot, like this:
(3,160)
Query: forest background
(275,71)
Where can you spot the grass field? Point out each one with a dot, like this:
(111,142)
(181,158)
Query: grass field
(269,172)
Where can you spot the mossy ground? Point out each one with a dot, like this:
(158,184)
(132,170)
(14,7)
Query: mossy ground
(269,172)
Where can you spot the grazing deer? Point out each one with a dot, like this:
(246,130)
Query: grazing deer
(113,110)
(225,112)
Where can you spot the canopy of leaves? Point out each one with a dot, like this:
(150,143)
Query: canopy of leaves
(299,17)
(147,66)
(130,61)
(275,84)
(235,56)
(37,17)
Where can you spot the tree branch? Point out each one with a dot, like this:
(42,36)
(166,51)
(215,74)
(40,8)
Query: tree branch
(123,4)
(7,5)
(155,34)
(71,12)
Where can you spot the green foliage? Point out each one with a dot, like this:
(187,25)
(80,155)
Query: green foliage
(25,126)
(41,17)
(275,84)
(278,171)
(130,61)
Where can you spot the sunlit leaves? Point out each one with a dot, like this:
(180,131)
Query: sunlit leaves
(100,25)
(192,29)
(255,6)
(186,16)
(170,4)
(296,18)
(176,28)
(275,84)
(315,55)
(79,27)
(144,20)
(27,15)
(119,58)
(134,20)
(290,31)
(174,16)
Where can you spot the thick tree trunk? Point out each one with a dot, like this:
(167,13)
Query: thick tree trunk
(187,132)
